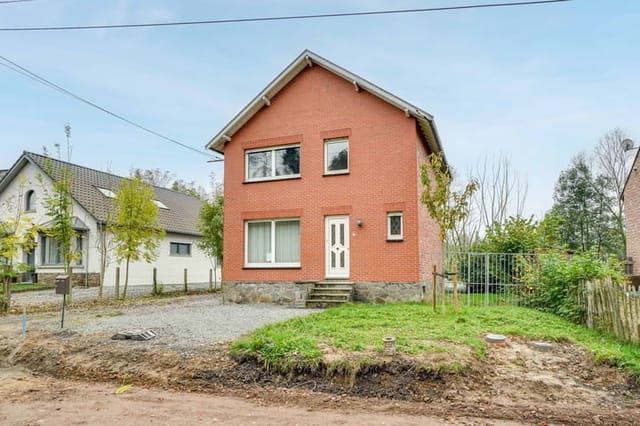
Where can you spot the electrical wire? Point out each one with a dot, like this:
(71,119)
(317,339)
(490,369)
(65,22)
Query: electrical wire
(13,1)
(29,74)
(284,18)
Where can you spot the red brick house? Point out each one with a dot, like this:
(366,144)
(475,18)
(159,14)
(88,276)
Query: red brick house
(631,195)
(321,183)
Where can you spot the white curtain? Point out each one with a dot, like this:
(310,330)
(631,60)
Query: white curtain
(259,240)
(288,241)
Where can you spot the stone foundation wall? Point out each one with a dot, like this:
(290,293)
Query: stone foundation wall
(387,292)
(77,279)
(282,293)
(295,293)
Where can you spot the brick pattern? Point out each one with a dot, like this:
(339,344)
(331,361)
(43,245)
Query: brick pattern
(632,215)
(383,171)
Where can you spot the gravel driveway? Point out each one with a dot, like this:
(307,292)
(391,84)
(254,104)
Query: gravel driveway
(194,321)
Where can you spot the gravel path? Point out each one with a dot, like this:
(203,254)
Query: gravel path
(194,321)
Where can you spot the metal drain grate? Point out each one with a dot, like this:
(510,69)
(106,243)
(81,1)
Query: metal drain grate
(137,334)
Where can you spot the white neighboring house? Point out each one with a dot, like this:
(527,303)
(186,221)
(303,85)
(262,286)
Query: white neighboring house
(93,192)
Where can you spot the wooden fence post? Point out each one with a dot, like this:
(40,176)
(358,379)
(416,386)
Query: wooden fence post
(210,279)
(117,282)
(185,280)
(155,281)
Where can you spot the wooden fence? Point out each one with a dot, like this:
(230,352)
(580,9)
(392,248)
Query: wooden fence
(613,308)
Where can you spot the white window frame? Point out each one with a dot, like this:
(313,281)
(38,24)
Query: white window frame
(273,176)
(391,237)
(178,244)
(328,142)
(272,264)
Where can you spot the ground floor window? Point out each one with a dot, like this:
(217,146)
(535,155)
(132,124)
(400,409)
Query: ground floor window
(272,243)
(394,226)
(51,254)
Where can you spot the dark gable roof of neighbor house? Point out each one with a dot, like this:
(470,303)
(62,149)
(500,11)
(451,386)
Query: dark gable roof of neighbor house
(180,216)
(309,59)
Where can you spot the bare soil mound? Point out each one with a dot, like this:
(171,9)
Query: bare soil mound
(514,383)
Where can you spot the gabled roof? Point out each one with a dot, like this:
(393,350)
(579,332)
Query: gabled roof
(2,173)
(633,168)
(180,217)
(308,59)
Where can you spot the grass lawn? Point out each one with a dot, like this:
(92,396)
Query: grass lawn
(359,329)
(17,288)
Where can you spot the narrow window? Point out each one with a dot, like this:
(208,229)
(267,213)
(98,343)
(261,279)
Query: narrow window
(179,249)
(272,243)
(50,251)
(273,163)
(394,226)
(30,201)
(336,156)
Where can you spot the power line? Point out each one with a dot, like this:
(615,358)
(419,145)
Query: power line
(284,18)
(26,73)
(13,1)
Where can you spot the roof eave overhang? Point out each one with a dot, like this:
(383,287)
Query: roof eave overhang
(308,59)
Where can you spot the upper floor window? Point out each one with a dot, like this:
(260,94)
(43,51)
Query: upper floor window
(30,201)
(272,163)
(336,156)
(179,249)
(394,226)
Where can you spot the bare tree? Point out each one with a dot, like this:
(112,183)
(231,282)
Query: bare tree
(612,161)
(502,193)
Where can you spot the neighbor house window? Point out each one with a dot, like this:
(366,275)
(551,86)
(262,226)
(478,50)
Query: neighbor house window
(30,201)
(336,156)
(272,243)
(180,249)
(273,163)
(50,251)
(51,254)
(394,226)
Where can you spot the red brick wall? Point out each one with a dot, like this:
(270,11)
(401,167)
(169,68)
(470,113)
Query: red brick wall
(383,177)
(632,216)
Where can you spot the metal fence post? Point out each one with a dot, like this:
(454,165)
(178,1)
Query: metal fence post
(486,279)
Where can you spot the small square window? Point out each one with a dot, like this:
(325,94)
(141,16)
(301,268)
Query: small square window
(394,226)
(336,156)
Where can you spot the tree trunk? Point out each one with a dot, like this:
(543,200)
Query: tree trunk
(126,280)
(68,271)
(6,288)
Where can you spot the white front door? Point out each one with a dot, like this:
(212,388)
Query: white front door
(337,246)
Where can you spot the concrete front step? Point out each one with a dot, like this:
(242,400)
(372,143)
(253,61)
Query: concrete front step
(330,293)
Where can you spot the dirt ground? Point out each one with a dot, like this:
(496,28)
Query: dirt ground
(66,377)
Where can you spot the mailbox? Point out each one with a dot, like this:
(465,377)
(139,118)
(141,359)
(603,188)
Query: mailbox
(63,284)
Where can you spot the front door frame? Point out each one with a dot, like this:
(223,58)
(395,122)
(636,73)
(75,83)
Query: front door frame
(337,270)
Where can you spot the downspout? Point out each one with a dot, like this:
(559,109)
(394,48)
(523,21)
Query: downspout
(86,265)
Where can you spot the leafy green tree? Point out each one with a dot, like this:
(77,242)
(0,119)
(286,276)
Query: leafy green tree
(136,229)
(211,222)
(446,206)
(582,203)
(516,235)
(58,204)
(17,233)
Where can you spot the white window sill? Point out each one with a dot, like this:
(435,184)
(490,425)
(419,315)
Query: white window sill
(272,266)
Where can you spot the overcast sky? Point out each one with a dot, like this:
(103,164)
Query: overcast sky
(536,84)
